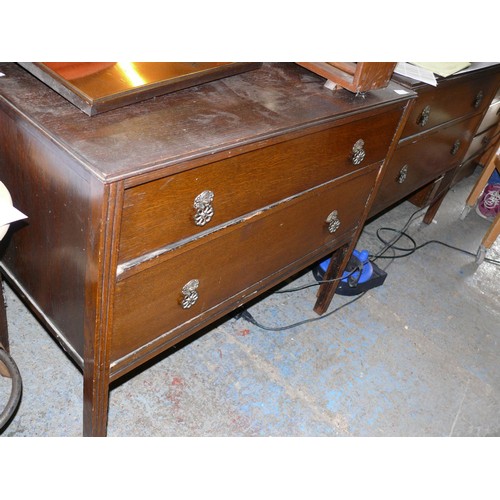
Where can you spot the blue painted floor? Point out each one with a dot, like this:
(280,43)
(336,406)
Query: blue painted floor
(418,356)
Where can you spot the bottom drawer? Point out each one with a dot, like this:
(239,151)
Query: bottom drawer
(468,167)
(481,142)
(152,302)
(421,160)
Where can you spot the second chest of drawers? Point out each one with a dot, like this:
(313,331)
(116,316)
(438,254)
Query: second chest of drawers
(437,135)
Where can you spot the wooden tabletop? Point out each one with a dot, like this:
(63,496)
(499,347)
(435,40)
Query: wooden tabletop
(187,124)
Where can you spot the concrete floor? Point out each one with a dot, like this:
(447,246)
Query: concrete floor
(418,356)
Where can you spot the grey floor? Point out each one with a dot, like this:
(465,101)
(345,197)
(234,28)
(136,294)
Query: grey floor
(418,356)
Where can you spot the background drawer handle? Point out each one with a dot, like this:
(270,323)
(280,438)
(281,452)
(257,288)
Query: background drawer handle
(403,173)
(204,208)
(333,221)
(358,152)
(424,116)
(455,147)
(190,293)
(478,99)
(486,140)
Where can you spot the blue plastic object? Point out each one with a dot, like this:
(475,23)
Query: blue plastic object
(494,178)
(366,272)
(359,276)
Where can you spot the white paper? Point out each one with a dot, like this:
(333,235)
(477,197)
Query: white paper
(415,72)
(443,69)
(9,214)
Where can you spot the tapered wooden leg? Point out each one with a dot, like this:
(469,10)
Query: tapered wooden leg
(338,262)
(95,401)
(434,207)
(99,297)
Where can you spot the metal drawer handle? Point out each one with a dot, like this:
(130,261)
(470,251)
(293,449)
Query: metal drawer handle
(333,221)
(478,99)
(424,116)
(204,209)
(190,293)
(403,174)
(358,152)
(455,147)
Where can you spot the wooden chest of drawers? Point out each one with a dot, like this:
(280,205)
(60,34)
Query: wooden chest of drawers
(484,142)
(436,137)
(149,222)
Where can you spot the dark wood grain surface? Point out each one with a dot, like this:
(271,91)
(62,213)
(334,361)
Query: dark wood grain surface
(187,124)
(93,187)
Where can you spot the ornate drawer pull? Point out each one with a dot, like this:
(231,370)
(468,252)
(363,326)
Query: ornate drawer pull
(478,99)
(358,152)
(424,116)
(333,221)
(204,208)
(455,147)
(486,140)
(190,293)
(403,173)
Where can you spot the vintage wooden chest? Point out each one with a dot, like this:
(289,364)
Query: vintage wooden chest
(148,222)
(437,135)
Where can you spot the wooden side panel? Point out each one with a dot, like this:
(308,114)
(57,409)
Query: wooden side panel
(47,253)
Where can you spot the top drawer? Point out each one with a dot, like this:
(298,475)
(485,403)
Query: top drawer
(165,211)
(446,102)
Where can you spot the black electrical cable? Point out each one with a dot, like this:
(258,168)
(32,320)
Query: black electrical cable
(389,245)
(15,393)
(415,247)
(245,314)
(393,246)
(321,282)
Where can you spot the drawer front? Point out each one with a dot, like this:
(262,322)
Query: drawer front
(446,102)
(148,303)
(492,117)
(469,165)
(481,142)
(162,212)
(417,162)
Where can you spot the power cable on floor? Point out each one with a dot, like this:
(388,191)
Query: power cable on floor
(389,245)
(415,247)
(245,314)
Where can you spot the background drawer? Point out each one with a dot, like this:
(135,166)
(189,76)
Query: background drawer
(448,102)
(161,212)
(491,117)
(417,162)
(147,304)
(481,142)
